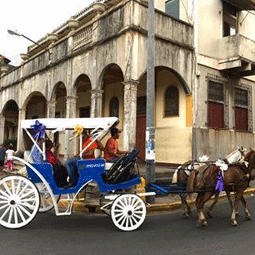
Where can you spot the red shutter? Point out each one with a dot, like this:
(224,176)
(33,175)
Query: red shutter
(215,115)
(241,119)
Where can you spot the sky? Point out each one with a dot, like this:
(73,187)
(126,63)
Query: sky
(33,19)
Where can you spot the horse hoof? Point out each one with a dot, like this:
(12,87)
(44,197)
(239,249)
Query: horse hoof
(202,223)
(209,214)
(248,217)
(234,223)
(186,215)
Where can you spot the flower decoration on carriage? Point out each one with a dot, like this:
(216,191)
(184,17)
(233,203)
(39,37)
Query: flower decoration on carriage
(78,129)
(39,129)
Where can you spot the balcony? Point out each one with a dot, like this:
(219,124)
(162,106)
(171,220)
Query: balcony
(243,4)
(237,55)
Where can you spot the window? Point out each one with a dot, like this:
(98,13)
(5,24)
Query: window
(216,103)
(171,101)
(114,107)
(229,19)
(241,109)
(173,8)
(141,105)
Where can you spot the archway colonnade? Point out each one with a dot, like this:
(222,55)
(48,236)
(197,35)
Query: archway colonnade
(116,96)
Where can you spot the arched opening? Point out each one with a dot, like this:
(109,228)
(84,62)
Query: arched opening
(59,95)
(170,114)
(11,115)
(113,88)
(83,88)
(36,106)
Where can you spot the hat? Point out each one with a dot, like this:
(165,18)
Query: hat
(114,131)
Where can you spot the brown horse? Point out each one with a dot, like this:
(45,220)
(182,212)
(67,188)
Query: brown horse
(203,181)
(182,173)
(236,178)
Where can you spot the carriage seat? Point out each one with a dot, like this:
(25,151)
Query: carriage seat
(122,170)
(45,169)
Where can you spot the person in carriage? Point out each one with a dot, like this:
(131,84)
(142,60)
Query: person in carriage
(111,151)
(89,153)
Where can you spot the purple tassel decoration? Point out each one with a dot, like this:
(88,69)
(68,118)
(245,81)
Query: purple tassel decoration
(219,184)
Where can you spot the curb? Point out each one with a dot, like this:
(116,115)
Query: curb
(80,206)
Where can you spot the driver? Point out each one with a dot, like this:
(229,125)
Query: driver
(111,151)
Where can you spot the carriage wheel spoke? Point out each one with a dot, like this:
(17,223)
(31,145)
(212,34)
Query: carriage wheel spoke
(6,211)
(121,218)
(7,189)
(24,210)
(4,194)
(122,204)
(18,186)
(21,214)
(27,194)
(15,215)
(10,215)
(30,206)
(22,190)
(3,206)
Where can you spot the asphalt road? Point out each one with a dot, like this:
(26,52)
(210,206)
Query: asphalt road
(161,233)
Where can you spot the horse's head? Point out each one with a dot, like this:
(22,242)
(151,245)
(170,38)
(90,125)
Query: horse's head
(249,156)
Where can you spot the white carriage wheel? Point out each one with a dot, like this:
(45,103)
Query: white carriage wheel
(19,201)
(46,202)
(128,212)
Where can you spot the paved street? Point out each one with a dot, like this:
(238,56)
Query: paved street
(161,233)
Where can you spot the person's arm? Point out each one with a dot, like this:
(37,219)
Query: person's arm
(100,145)
(121,152)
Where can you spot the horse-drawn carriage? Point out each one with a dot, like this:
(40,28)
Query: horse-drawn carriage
(22,197)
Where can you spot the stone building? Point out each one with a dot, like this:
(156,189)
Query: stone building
(95,65)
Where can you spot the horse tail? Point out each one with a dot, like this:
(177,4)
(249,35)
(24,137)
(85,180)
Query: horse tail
(191,181)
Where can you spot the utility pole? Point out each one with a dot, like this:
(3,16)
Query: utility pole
(150,117)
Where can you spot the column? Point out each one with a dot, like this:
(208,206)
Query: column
(71,106)
(51,109)
(20,143)
(96,103)
(2,123)
(70,113)
(130,102)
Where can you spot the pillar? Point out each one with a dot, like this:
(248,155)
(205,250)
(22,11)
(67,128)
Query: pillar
(51,109)
(130,104)
(2,123)
(70,113)
(96,103)
(20,143)
(71,106)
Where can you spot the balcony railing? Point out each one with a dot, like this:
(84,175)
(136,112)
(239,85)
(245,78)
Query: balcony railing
(237,51)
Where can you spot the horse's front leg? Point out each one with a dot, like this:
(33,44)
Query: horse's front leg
(246,211)
(216,199)
(185,205)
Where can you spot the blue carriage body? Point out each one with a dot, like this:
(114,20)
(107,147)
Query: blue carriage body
(88,170)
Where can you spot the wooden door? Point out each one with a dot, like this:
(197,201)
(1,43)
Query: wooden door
(141,126)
